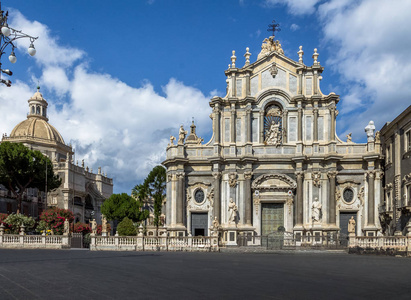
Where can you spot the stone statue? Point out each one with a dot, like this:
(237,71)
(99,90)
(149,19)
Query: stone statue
(349,138)
(181,135)
(316,210)
(378,137)
(172,139)
(103,224)
(273,134)
(351,225)
(370,129)
(215,224)
(66,227)
(93,226)
(232,208)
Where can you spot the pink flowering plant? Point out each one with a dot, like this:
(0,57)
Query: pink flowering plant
(82,227)
(54,219)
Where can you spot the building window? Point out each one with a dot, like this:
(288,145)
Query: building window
(348,195)
(199,196)
(38,110)
(388,154)
(408,141)
(273,125)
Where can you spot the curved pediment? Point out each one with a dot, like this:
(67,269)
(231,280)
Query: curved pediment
(274,182)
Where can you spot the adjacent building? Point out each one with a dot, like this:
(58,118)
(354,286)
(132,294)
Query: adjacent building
(81,191)
(395,211)
(274,160)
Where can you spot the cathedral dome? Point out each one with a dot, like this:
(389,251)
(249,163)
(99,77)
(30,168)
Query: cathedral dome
(36,125)
(37,128)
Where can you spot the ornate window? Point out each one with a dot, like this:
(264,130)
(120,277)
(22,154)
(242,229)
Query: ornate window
(199,196)
(348,195)
(273,125)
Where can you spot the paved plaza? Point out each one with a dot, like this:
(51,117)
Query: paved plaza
(82,274)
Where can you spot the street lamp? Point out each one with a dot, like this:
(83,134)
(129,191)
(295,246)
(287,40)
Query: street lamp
(7,36)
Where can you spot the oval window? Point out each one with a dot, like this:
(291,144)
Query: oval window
(348,195)
(199,196)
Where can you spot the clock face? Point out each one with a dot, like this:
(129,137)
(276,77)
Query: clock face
(199,196)
(348,195)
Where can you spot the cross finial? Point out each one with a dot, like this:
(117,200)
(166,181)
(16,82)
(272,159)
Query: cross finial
(273,27)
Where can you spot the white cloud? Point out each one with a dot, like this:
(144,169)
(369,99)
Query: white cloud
(368,42)
(295,7)
(294,27)
(121,128)
(49,51)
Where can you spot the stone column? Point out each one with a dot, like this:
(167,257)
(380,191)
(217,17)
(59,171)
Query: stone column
(233,124)
(300,196)
(300,82)
(315,112)
(371,200)
(300,124)
(248,121)
(261,126)
(315,82)
(332,215)
(285,129)
(247,85)
(180,199)
(247,197)
(217,196)
(217,124)
(332,129)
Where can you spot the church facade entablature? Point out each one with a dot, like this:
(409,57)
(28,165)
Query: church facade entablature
(274,155)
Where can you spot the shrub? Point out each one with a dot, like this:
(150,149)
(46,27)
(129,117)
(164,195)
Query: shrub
(82,227)
(55,217)
(16,220)
(3,217)
(281,228)
(126,227)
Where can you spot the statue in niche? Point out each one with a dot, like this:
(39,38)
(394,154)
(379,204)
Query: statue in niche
(232,208)
(181,135)
(273,134)
(316,210)
(351,225)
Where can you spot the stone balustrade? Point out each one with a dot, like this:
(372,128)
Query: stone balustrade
(34,241)
(150,243)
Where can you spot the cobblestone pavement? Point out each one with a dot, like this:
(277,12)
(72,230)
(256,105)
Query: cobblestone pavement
(74,274)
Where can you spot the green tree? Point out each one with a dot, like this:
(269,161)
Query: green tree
(119,206)
(126,228)
(155,187)
(22,168)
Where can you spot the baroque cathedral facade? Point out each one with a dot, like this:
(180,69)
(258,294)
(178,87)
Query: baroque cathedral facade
(81,190)
(274,161)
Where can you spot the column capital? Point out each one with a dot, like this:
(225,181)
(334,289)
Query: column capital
(371,174)
(216,175)
(248,110)
(332,174)
(299,174)
(180,175)
(232,181)
(248,175)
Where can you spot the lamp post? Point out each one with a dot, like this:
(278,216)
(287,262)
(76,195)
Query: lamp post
(7,37)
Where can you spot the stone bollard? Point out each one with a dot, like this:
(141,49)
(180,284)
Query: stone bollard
(1,229)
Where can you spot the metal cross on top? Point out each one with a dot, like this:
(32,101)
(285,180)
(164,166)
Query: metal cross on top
(274,27)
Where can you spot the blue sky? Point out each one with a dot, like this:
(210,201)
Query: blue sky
(121,76)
